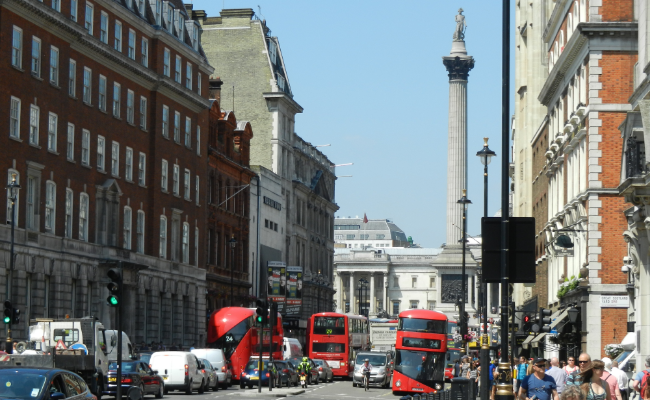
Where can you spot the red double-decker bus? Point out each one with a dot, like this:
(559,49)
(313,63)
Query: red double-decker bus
(337,338)
(420,351)
(453,349)
(276,341)
(229,329)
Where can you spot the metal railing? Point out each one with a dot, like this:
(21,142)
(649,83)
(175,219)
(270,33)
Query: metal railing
(440,395)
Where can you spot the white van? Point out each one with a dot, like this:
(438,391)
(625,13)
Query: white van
(111,346)
(180,370)
(291,348)
(219,362)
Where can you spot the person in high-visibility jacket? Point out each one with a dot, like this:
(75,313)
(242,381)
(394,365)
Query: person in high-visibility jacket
(305,367)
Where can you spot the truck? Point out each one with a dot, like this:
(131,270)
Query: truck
(383,336)
(75,344)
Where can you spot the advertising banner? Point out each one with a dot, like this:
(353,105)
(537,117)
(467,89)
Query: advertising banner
(294,292)
(277,283)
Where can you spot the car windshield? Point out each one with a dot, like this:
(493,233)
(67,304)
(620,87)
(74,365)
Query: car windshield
(422,325)
(126,367)
(376,360)
(21,384)
(252,364)
(279,364)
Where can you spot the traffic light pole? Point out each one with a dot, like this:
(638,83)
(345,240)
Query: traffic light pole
(118,310)
(260,364)
(272,318)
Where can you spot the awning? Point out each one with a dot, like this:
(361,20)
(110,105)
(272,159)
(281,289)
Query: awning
(527,341)
(559,322)
(535,342)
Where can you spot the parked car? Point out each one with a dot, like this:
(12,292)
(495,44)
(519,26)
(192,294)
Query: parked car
(325,373)
(251,373)
(221,365)
(134,374)
(179,370)
(211,378)
(291,348)
(287,374)
(314,377)
(42,384)
(381,368)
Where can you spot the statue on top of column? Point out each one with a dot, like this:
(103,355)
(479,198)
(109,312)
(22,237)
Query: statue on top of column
(461,25)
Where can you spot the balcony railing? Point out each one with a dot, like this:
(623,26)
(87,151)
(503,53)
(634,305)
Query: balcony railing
(634,158)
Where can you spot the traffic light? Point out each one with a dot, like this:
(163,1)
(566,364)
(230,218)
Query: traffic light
(16,316)
(544,319)
(9,312)
(527,323)
(262,312)
(114,287)
(274,310)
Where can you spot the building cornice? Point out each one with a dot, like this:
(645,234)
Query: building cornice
(285,98)
(555,22)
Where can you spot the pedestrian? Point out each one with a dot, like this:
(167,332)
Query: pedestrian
(584,363)
(522,369)
(622,380)
(530,369)
(472,376)
(464,367)
(591,382)
(494,369)
(571,366)
(641,381)
(562,364)
(456,369)
(611,380)
(538,384)
(558,375)
(572,393)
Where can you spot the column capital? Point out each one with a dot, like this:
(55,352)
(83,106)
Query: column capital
(458,67)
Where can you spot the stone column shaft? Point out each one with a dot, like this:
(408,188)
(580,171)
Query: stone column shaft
(456,159)
(385,299)
(351,299)
(371,298)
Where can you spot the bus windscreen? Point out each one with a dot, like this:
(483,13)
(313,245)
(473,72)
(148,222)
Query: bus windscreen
(329,326)
(328,347)
(422,325)
(423,366)
(231,339)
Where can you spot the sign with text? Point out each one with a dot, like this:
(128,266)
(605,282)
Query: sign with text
(277,283)
(293,304)
(614,301)
(563,252)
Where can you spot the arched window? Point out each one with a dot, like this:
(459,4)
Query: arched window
(69,200)
(561,42)
(50,206)
(576,14)
(12,174)
(186,243)
(128,224)
(163,237)
(83,217)
(583,11)
(569,25)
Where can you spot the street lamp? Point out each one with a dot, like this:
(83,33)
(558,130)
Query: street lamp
(361,285)
(233,243)
(464,202)
(12,191)
(485,155)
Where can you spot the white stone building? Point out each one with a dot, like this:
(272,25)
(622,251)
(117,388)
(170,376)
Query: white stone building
(353,233)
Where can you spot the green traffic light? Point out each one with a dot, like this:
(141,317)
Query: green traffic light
(259,318)
(7,320)
(113,300)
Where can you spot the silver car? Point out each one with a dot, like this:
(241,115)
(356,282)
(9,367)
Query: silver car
(381,369)
(210,375)
(325,373)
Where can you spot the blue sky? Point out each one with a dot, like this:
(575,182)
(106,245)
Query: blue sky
(369,75)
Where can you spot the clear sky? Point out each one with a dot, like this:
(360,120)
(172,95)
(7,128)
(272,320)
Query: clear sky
(369,75)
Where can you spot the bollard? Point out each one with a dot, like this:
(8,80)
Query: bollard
(416,397)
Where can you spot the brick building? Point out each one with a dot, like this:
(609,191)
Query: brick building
(589,52)
(105,104)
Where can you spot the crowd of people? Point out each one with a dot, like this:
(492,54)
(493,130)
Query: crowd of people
(541,379)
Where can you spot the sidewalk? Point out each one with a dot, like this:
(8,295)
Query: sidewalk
(277,392)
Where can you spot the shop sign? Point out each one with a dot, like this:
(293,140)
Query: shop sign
(614,301)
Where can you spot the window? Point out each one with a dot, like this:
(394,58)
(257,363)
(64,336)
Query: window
(140,232)
(196,246)
(158,12)
(188,76)
(280,82)
(414,282)
(166,62)
(170,16)
(186,243)
(36,56)
(186,184)
(432,282)
(395,307)
(83,217)
(175,178)
(181,27)
(195,37)
(56,5)
(34,116)
(414,304)
(116,99)
(144,59)
(50,206)
(196,190)
(68,213)
(72,78)
(272,51)
(142,169)
(73,10)
(14,118)
(432,305)
(163,175)
(131,44)
(198,140)
(70,142)
(177,127)
(165,122)
(32,187)
(17,48)
(163,237)
(118,36)
(128,174)
(143,112)
(101,147)
(188,132)
(130,106)
(85,147)
(349,237)
(396,282)
(51,132)
(127,228)
(103,27)
(10,177)
(141,7)
(87,82)
(198,83)
(89,18)
(115,159)
(177,71)
(102,93)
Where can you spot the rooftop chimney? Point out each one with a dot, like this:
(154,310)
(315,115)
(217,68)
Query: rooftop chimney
(215,89)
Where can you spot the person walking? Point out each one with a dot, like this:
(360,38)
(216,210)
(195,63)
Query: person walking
(592,385)
(572,393)
(472,376)
(641,381)
(558,374)
(456,369)
(538,384)
(493,372)
(611,380)
(464,367)
(622,380)
(522,369)
(584,363)
(571,366)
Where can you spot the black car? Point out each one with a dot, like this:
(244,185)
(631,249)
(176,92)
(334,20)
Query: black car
(27,383)
(287,374)
(134,374)
(313,378)
(145,356)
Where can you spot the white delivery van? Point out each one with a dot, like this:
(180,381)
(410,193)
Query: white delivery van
(219,362)
(291,348)
(111,346)
(179,370)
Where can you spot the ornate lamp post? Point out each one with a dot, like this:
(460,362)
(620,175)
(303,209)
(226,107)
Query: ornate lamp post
(485,155)
(464,202)
(12,191)
(232,242)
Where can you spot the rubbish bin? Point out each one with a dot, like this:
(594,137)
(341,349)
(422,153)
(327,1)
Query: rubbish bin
(461,389)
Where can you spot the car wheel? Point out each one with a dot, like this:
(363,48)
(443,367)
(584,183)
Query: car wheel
(216,385)
(241,384)
(250,385)
(354,384)
(161,390)
(202,387)
(188,389)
